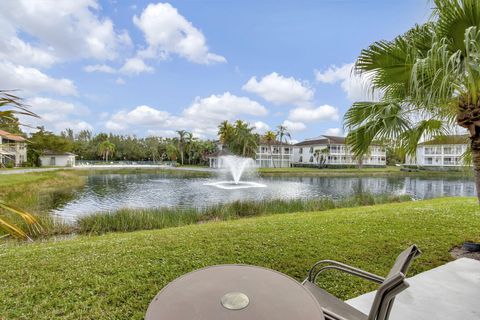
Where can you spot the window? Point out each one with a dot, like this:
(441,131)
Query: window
(448,150)
(301,159)
(311,159)
(300,151)
(311,150)
(287,150)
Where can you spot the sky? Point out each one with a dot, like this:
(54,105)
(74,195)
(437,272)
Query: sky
(150,68)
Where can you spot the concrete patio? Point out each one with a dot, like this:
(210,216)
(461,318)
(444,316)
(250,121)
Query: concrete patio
(451,291)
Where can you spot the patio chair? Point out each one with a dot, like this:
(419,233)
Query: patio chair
(390,286)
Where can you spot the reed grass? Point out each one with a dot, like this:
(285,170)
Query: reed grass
(126,220)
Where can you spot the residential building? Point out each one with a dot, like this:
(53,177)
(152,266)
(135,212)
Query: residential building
(215,159)
(332,151)
(442,151)
(13,149)
(274,155)
(57,159)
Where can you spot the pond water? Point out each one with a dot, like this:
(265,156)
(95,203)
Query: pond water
(108,192)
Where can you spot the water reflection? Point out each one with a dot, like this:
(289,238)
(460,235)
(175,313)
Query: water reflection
(112,191)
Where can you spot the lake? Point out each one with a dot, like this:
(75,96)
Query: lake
(106,192)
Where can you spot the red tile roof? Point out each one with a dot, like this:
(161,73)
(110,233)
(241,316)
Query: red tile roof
(11,136)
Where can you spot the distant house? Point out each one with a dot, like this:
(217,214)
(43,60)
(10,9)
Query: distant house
(442,151)
(13,149)
(275,155)
(332,151)
(57,159)
(215,160)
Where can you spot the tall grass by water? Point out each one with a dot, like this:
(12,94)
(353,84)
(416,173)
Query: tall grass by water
(125,220)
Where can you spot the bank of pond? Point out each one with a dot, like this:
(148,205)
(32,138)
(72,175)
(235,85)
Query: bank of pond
(86,202)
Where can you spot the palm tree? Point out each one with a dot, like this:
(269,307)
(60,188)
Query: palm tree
(11,105)
(105,149)
(270,137)
(429,80)
(225,132)
(181,143)
(282,132)
(190,142)
(245,138)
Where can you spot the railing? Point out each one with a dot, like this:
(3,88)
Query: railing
(124,163)
(8,148)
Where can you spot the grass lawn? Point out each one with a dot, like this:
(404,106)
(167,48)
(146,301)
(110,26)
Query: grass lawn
(115,276)
(391,170)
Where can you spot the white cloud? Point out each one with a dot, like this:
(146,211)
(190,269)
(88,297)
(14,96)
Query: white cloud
(334,132)
(56,115)
(167,31)
(278,89)
(293,126)
(261,127)
(356,87)
(120,81)
(201,117)
(32,80)
(307,114)
(135,66)
(62,29)
(99,68)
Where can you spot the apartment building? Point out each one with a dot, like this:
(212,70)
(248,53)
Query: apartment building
(332,151)
(444,151)
(13,149)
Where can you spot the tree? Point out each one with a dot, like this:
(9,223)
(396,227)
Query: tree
(270,137)
(225,132)
(321,155)
(181,144)
(282,133)
(244,138)
(429,80)
(105,149)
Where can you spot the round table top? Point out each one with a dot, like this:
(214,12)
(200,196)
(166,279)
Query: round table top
(234,292)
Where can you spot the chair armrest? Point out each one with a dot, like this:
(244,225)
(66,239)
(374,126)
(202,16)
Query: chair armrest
(332,264)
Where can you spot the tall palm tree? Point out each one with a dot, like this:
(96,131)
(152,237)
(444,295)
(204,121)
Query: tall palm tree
(190,142)
(270,137)
(181,144)
(105,149)
(225,132)
(282,135)
(429,80)
(245,138)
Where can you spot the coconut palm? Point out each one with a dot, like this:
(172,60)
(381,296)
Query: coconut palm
(225,132)
(270,137)
(428,79)
(105,149)
(282,135)
(181,144)
(244,137)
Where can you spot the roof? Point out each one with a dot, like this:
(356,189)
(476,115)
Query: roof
(55,153)
(274,143)
(325,140)
(220,153)
(336,139)
(312,142)
(11,136)
(452,139)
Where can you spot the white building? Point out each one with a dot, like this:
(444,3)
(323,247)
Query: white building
(444,151)
(332,151)
(57,159)
(274,155)
(13,149)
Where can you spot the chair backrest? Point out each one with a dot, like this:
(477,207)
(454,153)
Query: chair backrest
(394,284)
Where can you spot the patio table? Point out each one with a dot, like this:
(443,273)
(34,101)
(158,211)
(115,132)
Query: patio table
(234,292)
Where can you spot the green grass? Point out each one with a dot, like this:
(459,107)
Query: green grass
(115,276)
(158,218)
(387,171)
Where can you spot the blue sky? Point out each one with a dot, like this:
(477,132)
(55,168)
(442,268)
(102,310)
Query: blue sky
(143,68)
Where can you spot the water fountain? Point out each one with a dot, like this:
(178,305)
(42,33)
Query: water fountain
(236,167)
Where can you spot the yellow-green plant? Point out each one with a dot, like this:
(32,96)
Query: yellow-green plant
(11,228)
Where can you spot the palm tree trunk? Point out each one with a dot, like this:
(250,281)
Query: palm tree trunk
(475,145)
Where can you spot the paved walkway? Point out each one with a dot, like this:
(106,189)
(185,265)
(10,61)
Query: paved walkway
(451,291)
(112,167)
